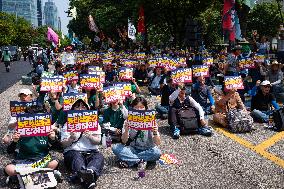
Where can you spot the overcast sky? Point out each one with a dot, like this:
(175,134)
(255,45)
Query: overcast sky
(62,6)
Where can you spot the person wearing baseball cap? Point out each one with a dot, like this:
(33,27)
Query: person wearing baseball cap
(68,57)
(262,99)
(25,95)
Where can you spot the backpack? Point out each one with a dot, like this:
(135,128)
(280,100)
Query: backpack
(239,121)
(278,118)
(188,119)
(39,69)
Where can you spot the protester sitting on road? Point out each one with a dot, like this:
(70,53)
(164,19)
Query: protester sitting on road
(40,95)
(141,75)
(157,80)
(261,101)
(179,100)
(275,76)
(55,102)
(73,87)
(201,93)
(33,149)
(81,153)
(230,99)
(25,95)
(139,147)
(113,119)
(167,90)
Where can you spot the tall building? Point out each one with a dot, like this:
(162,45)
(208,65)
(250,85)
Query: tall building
(39,12)
(59,24)
(22,8)
(0,5)
(51,14)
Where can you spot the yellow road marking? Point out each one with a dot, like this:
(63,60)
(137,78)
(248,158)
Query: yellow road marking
(260,149)
(271,141)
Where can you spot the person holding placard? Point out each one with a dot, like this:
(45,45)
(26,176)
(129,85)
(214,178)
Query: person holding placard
(110,74)
(141,75)
(232,67)
(138,146)
(73,87)
(157,80)
(68,58)
(55,102)
(179,101)
(113,119)
(229,99)
(81,153)
(33,150)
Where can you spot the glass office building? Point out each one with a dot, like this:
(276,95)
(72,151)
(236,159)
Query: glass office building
(22,8)
(51,14)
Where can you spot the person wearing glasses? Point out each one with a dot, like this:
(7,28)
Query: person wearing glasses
(262,99)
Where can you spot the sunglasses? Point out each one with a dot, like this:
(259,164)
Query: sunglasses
(267,86)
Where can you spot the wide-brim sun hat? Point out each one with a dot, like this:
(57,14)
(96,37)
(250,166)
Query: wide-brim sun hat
(25,91)
(265,83)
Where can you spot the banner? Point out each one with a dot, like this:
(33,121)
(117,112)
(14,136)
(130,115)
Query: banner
(140,55)
(33,124)
(141,119)
(90,81)
(82,120)
(141,21)
(128,63)
(20,107)
(92,25)
(126,88)
(52,36)
(200,70)
(125,73)
(107,61)
(208,61)
(54,84)
(94,69)
(112,94)
(233,82)
(47,74)
(71,76)
(70,98)
(182,75)
(246,63)
(131,30)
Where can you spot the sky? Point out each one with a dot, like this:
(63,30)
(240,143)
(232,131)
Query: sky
(62,6)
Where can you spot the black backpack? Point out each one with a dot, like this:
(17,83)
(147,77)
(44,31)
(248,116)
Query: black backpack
(278,118)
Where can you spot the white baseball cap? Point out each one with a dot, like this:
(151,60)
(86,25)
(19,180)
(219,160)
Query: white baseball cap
(264,83)
(25,91)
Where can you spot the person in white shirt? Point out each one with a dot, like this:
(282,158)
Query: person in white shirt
(81,153)
(157,82)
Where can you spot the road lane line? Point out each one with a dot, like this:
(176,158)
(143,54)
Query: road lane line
(271,141)
(245,143)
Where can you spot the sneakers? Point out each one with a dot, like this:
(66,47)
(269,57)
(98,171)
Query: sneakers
(205,131)
(176,133)
(142,164)
(92,185)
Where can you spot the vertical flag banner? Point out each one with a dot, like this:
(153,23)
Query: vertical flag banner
(33,124)
(131,30)
(228,18)
(233,82)
(182,75)
(70,98)
(200,70)
(141,119)
(82,120)
(52,36)
(141,21)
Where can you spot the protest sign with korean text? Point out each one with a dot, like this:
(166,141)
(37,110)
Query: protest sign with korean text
(102,75)
(90,81)
(208,61)
(246,63)
(54,84)
(33,124)
(94,69)
(125,73)
(71,76)
(141,119)
(82,120)
(259,58)
(20,107)
(126,87)
(200,70)
(182,75)
(70,98)
(112,94)
(233,82)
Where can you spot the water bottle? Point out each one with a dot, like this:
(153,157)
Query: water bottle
(108,140)
(104,141)
(270,121)
(141,169)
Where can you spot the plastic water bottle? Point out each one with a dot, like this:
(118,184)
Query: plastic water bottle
(108,140)
(141,170)
(104,141)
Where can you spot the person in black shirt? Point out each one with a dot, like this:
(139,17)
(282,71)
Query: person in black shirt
(141,75)
(261,101)
(166,91)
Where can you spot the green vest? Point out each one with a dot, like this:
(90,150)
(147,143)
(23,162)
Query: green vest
(114,117)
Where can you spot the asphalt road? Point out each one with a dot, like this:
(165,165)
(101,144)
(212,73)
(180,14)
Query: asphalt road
(18,69)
